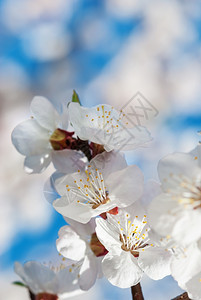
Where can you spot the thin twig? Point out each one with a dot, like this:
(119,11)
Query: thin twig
(137,292)
(184,296)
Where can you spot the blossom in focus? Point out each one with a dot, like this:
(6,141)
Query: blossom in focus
(47,283)
(106,126)
(79,243)
(41,138)
(106,184)
(130,249)
(176,212)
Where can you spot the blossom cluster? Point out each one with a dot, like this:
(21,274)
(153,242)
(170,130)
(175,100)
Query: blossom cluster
(109,231)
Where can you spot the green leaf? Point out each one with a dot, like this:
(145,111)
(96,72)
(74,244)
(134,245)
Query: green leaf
(19,283)
(75,97)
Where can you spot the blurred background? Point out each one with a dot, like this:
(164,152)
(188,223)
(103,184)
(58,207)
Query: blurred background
(107,51)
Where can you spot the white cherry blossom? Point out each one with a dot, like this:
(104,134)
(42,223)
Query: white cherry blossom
(106,126)
(107,183)
(78,242)
(185,264)
(177,210)
(130,249)
(41,279)
(39,137)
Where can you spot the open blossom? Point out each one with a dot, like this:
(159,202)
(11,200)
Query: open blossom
(185,264)
(41,138)
(106,126)
(79,243)
(106,184)
(47,282)
(130,249)
(177,210)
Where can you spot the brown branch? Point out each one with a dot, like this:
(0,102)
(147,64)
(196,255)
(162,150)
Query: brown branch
(137,292)
(184,296)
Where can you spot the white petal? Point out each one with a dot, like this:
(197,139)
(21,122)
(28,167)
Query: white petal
(155,263)
(109,162)
(179,164)
(81,119)
(67,161)
(186,265)
(88,272)
(36,276)
(197,154)
(132,138)
(64,118)
(193,287)
(45,113)
(66,281)
(74,210)
(49,191)
(83,230)
(122,270)
(70,245)
(126,185)
(19,270)
(104,128)
(187,227)
(37,163)
(199,244)
(168,217)
(159,214)
(151,189)
(107,236)
(29,138)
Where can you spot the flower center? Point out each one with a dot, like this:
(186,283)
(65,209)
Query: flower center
(187,192)
(61,139)
(90,188)
(46,296)
(97,248)
(134,236)
(108,119)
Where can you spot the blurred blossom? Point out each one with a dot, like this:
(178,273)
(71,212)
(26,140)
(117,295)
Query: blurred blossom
(125,9)
(183,78)
(14,84)
(46,41)
(34,10)
(20,195)
(102,32)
